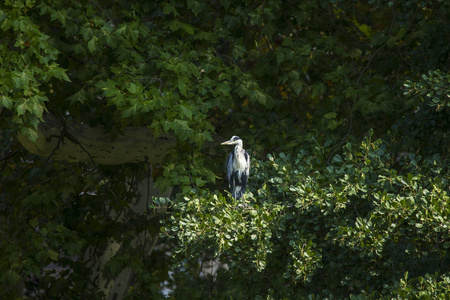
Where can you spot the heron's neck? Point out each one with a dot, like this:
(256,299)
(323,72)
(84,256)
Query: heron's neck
(238,147)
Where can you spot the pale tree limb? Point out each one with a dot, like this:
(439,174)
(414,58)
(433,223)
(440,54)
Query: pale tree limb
(76,142)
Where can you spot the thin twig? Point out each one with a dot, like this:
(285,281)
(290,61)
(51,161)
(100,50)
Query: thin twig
(5,159)
(3,167)
(268,43)
(367,65)
(356,210)
(74,140)
(9,155)
(60,139)
(335,148)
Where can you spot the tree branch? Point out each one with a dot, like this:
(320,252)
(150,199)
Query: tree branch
(77,142)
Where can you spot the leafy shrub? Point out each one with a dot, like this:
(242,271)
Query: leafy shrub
(366,224)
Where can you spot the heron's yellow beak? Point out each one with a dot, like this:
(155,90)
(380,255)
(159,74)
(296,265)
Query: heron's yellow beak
(227,143)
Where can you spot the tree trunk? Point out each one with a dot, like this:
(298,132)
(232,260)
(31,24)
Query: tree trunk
(117,287)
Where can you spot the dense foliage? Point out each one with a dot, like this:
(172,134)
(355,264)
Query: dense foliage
(357,226)
(345,107)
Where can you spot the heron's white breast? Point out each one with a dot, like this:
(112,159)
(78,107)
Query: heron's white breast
(240,163)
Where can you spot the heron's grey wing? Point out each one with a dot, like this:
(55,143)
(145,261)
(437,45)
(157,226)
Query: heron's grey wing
(245,174)
(247,159)
(229,166)
(231,174)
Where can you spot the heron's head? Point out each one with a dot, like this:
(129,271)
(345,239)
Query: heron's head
(233,141)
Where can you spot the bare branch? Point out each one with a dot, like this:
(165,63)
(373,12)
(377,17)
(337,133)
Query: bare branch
(77,142)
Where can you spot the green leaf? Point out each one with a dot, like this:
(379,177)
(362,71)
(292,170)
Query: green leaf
(186,111)
(134,88)
(169,9)
(337,158)
(21,108)
(319,89)
(87,33)
(37,109)
(330,115)
(31,134)
(332,124)
(2,16)
(176,25)
(182,86)
(6,102)
(58,72)
(287,42)
(21,79)
(195,6)
(92,44)
(130,111)
(297,85)
(34,222)
(207,136)
(200,182)
(258,96)
(53,255)
(305,50)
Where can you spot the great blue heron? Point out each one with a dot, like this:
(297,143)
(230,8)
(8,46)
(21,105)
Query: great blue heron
(238,168)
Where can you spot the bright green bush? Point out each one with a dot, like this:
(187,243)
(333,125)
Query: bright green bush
(356,226)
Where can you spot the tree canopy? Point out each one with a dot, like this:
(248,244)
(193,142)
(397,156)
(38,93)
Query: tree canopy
(343,105)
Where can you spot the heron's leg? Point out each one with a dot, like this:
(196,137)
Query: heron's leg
(244,205)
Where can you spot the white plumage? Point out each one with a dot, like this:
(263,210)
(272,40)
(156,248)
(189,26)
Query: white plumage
(238,167)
